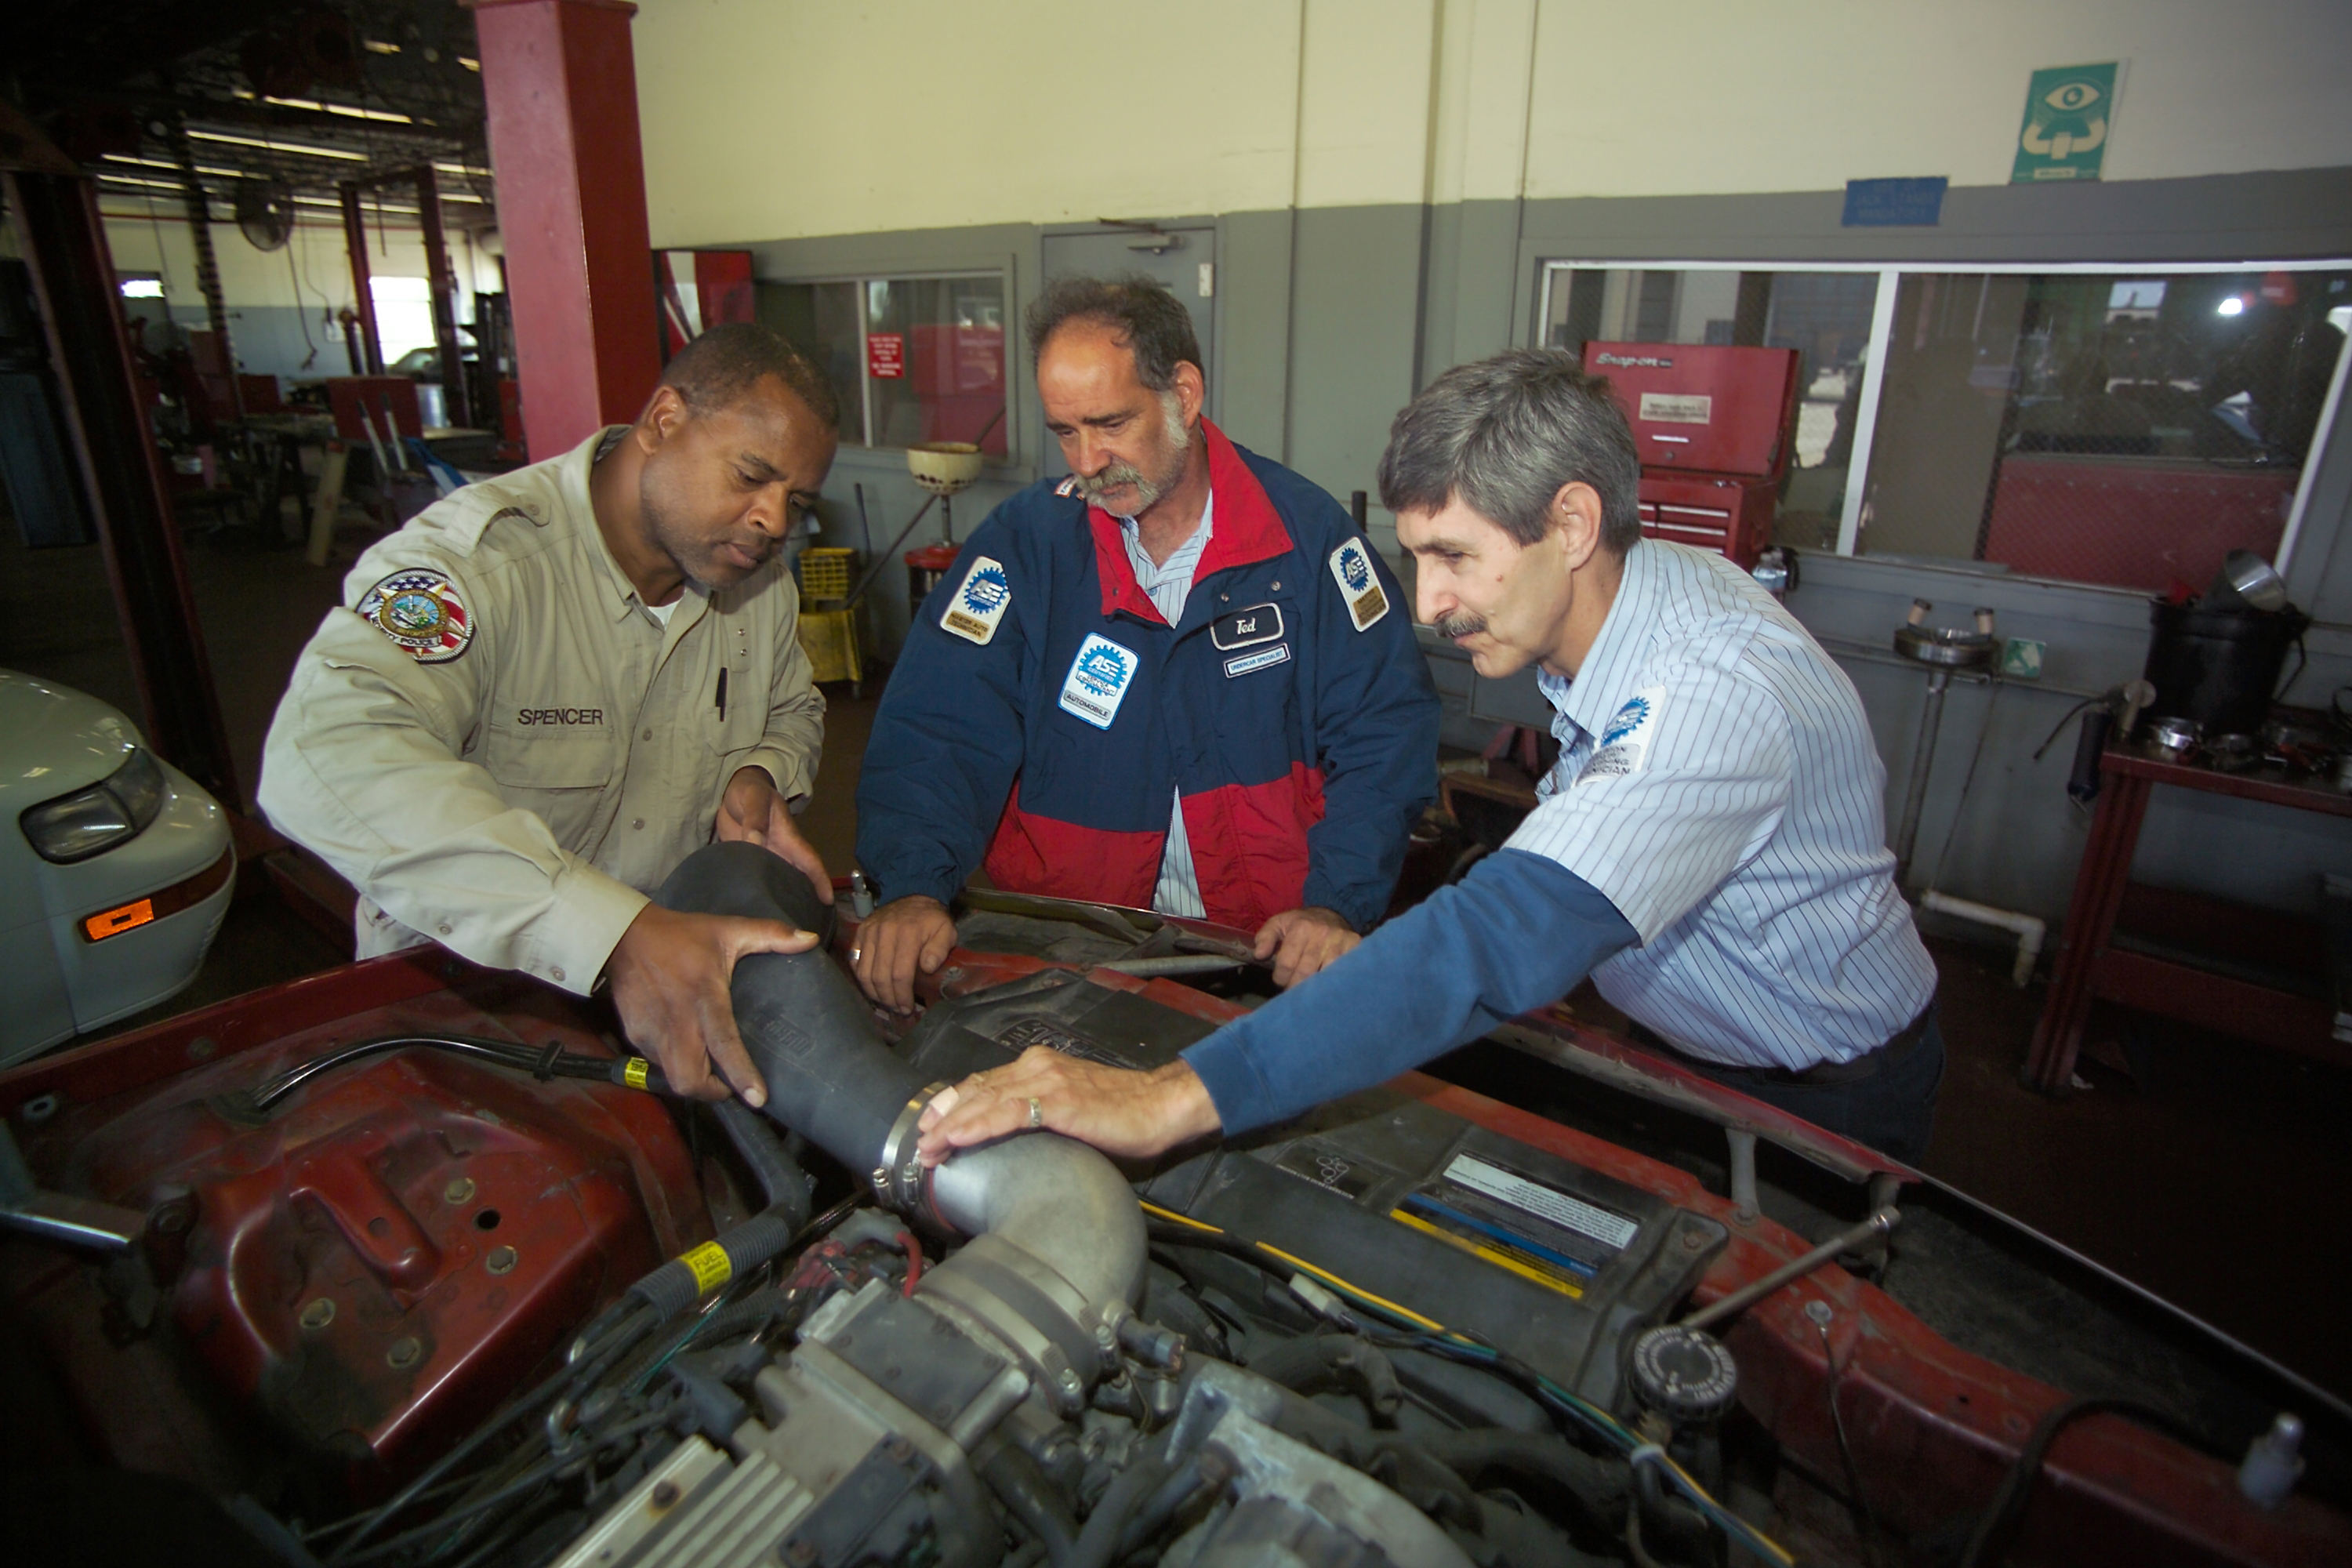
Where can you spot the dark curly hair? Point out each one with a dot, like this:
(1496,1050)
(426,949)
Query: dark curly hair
(1150,321)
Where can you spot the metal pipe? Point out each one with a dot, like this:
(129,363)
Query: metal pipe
(1882,1222)
(1743,1205)
(1176,963)
(1923,760)
(833,1078)
(2030,929)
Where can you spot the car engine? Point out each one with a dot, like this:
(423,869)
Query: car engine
(1381,1334)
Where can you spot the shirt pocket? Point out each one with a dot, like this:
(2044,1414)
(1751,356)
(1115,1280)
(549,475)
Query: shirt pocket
(563,771)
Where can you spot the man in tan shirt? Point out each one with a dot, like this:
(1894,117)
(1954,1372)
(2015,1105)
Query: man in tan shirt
(550,687)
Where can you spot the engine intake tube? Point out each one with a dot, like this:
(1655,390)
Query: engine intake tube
(831,1076)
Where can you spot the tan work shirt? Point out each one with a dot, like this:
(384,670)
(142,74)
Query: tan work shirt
(518,799)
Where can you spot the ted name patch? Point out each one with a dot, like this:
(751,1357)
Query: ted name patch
(1352,568)
(979,602)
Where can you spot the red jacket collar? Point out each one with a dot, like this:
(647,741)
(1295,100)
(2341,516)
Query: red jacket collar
(1248,530)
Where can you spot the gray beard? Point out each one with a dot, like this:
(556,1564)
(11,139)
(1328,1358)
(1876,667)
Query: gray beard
(1122,476)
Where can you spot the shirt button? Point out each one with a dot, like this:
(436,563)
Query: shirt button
(443,927)
(637,821)
(556,973)
(647,735)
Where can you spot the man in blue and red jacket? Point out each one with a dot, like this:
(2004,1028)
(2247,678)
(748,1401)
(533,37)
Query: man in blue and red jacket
(1177,680)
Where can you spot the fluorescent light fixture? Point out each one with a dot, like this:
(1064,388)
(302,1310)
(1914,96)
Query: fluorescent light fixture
(321,107)
(461,169)
(279,146)
(2232,305)
(142,288)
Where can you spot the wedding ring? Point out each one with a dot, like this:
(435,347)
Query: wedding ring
(854,953)
(1036,1112)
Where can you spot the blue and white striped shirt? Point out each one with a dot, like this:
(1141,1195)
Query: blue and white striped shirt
(1717,781)
(1169,585)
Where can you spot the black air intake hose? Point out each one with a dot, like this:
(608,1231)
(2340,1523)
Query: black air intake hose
(831,1076)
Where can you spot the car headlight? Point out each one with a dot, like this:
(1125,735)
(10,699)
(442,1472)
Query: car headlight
(92,821)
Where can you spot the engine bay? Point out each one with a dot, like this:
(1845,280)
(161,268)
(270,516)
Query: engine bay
(417,1271)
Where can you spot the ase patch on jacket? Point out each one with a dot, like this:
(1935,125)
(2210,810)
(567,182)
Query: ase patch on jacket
(1352,568)
(979,602)
(1098,681)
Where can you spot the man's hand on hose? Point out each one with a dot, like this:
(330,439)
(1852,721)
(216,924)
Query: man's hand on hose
(1303,941)
(752,810)
(1129,1115)
(672,978)
(902,936)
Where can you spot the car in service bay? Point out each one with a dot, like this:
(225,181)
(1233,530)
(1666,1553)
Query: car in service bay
(115,877)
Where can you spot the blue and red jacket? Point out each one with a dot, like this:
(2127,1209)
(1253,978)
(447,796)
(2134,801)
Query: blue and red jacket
(1044,712)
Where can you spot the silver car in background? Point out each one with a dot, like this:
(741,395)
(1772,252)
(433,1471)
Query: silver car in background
(115,868)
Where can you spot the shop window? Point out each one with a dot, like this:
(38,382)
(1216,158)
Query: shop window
(2125,428)
(1825,316)
(2120,426)
(912,359)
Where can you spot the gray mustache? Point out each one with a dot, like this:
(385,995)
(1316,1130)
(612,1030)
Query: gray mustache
(1461,624)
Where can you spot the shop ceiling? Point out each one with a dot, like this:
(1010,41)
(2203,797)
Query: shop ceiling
(262,104)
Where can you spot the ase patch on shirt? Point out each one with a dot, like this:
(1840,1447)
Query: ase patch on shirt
(979,602)
(419,610)
(1625,740)
(1352,568)
(1098,681)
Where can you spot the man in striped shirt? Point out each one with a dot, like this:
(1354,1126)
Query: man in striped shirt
(1710,846)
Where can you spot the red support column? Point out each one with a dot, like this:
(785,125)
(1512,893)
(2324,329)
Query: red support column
(370,355)
(562,93)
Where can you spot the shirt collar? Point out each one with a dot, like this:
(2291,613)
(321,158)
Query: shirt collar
(1615,658)
(1252,531)
(1182,562)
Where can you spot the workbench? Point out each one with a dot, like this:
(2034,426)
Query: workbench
(2257,974)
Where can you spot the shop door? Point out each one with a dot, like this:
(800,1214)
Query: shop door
(1181,261)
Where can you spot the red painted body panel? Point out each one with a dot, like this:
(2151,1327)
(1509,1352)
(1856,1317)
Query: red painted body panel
(461,1220)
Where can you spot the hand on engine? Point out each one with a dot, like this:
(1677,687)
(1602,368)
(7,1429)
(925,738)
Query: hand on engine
(1303,941)
(752,810)
(902,936)
(672,977)
(1122,1112)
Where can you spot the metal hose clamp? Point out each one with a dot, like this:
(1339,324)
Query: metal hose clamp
(899,1179)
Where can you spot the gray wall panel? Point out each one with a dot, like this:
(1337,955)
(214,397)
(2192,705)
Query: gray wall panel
(1255,275)
(1350,339)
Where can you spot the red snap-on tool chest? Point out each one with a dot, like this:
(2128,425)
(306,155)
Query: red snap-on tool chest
(1710,511)
(1713,425)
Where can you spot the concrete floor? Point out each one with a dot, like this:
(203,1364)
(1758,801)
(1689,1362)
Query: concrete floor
(2216,1180)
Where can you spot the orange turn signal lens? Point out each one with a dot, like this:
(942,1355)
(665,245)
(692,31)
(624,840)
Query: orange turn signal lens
(115,922)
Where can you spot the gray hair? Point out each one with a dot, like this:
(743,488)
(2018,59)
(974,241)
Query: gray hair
(1501,436)
(1148,320)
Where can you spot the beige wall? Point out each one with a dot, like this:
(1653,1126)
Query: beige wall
(783,119)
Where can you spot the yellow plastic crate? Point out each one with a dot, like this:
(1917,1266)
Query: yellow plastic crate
(829,637)
(824,574)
